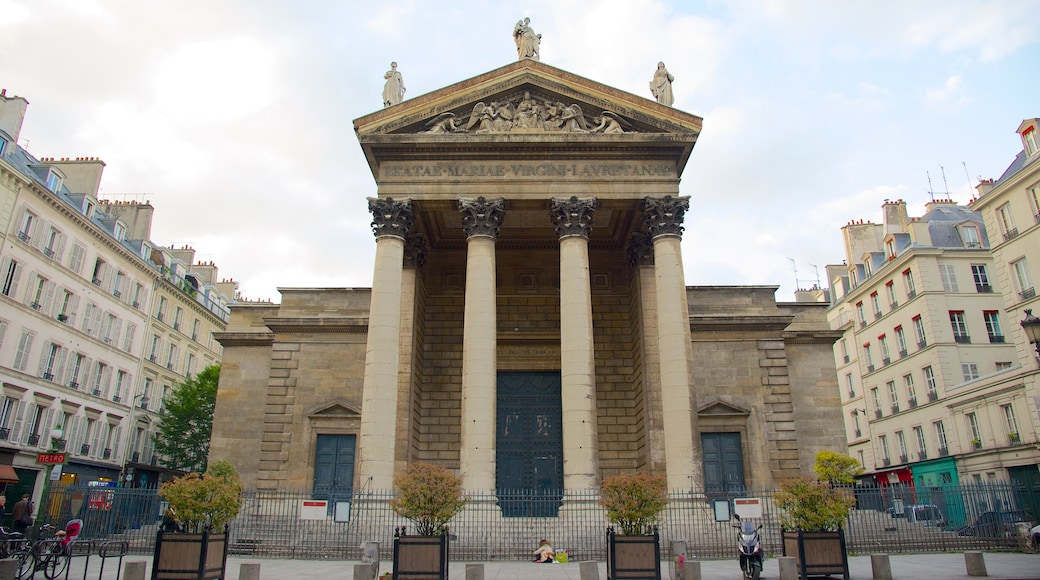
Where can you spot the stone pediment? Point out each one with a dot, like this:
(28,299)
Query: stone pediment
(523,103)
(719,408)
(338,409)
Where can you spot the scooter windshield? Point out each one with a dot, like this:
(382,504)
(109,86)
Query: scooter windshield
(747,528)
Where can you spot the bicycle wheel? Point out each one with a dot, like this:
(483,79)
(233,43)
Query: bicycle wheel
(55,563)
(26,564)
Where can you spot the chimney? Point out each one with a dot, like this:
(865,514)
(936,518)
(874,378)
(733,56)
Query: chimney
(82,174)
(12,113)
(984,186)
(895,216)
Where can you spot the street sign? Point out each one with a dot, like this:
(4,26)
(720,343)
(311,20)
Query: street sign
(50,458)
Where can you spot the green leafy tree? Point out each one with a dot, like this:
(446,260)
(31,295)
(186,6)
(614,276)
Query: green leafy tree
(428,495)
(812,506)
(634,500)
(182,437)
(205,501)
(836,468)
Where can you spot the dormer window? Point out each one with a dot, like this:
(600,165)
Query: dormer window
(970,236)
(53,180)
(1030,140)
(88,208)
(120,232)
(890,249)
(3,145)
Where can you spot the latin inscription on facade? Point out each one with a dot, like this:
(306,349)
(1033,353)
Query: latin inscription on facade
(522,170)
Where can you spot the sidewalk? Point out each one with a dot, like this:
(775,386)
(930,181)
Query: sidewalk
(904,567)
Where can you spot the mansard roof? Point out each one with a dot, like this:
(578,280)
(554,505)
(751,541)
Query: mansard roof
(609,122)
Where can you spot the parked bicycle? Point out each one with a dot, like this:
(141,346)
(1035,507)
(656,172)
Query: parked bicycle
(50,552)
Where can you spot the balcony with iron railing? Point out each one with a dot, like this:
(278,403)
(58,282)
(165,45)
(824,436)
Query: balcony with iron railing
(911,294)
(895,408)
(24,237)
(996,338)
(944,451)
(903,458)
(913,402)
(1027,293)
(33,439)
(878,414)
(886,461)
(1014,438)
(962,338)
(976,444)
(922,455)
(1011,233)
(922,343)
(903,353)
(886,361)
(984,288)
(84,449)
(4,433)
(933,396)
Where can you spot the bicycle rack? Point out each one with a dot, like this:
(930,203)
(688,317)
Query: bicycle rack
(112,549)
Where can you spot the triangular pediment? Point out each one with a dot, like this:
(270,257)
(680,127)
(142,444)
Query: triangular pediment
(718,408)
(337,409)
(522,105)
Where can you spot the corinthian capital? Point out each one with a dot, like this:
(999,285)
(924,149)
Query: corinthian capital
(482,217)
(572,217)
(390,217)
(663,216)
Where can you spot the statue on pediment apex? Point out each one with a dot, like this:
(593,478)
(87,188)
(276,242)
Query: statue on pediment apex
(527,42)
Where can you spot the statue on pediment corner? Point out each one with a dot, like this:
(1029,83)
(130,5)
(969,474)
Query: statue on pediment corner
(661,85)
(393,90)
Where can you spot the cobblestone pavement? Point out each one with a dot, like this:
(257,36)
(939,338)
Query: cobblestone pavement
(904,567)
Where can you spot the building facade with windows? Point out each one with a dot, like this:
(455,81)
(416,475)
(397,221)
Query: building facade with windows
(1010,207)
(80,278)
(529,325)
(925,335)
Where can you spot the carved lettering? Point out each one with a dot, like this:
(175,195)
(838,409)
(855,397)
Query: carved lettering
(533,170)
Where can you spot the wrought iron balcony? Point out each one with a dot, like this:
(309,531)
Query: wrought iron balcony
(1010,234)
(33,439)
(933,396)
(943,452)
(997,338)
(48,377)
(902,353)
(4,433)
(922,455)
(886,361)
(984,288)
(922,343)
(870,368)
(106,454)
(1027,293)
(913,402)
(910,294)
(962,338)
(903,459)
(895,409)
(84,449)
(976,444)
(878,414)
(1014,438)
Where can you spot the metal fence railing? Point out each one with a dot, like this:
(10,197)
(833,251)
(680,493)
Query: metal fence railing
(508,525)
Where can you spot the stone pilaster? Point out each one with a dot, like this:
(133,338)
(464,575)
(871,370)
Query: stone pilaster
(572,219)
(481,220)
(391,221)
(664,218)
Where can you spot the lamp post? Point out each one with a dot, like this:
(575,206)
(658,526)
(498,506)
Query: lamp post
(125,475)
(1031,326)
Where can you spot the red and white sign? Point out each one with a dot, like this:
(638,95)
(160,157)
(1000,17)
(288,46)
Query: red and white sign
(747,507)
(314,509)
(50,458)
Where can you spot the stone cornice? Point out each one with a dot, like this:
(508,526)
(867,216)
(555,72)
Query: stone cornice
(322,324)
(227,339)
(198,308)
(772,324)
(812,336)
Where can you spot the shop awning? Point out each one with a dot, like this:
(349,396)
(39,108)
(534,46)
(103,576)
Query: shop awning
(7,474)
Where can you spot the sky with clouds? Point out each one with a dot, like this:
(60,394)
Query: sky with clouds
(234,117)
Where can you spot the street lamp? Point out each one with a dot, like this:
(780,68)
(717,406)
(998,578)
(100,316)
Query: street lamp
(1031,326)
(124,476)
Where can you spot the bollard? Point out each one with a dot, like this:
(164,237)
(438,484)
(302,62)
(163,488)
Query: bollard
(134,570)
(691,570)
(249,571)
(882,566)
(366,571)
(589,570)
(8,569)
(474,571)
(788,568)
(975,564)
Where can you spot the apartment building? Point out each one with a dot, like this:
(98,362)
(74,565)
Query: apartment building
(80,281)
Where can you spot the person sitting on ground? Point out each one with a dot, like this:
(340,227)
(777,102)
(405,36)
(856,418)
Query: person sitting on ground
(544,553)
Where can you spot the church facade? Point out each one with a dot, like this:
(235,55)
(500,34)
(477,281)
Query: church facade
(528,324)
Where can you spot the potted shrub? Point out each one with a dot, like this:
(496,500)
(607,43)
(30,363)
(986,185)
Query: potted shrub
(633,502)
(203,506)
(429,496)
(813,515)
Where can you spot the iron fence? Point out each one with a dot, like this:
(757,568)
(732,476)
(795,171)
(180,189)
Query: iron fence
(508,525)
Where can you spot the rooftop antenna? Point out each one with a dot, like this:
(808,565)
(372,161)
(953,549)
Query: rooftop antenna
(931,193)
(966,174)
(795,268)
(946,186)
(817,270)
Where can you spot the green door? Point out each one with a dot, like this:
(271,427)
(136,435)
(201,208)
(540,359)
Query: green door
(529,451)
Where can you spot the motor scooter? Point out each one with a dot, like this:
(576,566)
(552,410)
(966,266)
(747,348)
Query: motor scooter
(750,543)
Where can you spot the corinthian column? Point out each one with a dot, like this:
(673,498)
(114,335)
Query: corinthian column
(573,221)
(391,221)
(664,218)
(481,220)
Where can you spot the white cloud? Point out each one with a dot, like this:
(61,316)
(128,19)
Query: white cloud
(951,93)
(12,12)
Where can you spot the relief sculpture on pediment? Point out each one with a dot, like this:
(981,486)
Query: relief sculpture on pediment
(528,114)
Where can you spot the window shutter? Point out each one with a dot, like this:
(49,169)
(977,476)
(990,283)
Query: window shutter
(48,296)
(43,358)
(59,247)
(72,434)
(45,429)
(19,415)
(117,444)
(73,307)
(59,370)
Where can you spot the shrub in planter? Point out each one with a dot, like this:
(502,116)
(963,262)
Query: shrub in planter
(633,501)
(429,496)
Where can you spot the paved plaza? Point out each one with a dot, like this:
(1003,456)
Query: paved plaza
(906,567)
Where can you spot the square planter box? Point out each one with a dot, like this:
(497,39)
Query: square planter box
(189,556)
(420,557)
(633,557)
(817,553)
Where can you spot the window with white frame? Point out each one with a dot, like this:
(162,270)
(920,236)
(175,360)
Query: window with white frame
(138,295)
(874,394)
(76,257)
(101,380)
(53,180)
(908,284)
(922,339)
(843,343)
(948,275)
(886,356)
(970,237)
(117,286)
(1021,276)
(970,371)
(27,226)
(79,363)
(862,462)
(911,392)
(901,442)
(860,313)
(128,336)
(1034,200)
(922,447)
(890,294)
(875,301)
(959,326)
(1001,365)
(900,340)
(893,395)
(851,386)
(868,357)
(178,313)
(1004,221)
(981,277)
(122,381)
(993,325)
(973,428)
(940,436)
(12,272)
(885,454)
(195,332)
(933,385)
(52,358)
(1009,420)
(1031,142)
(160,310)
